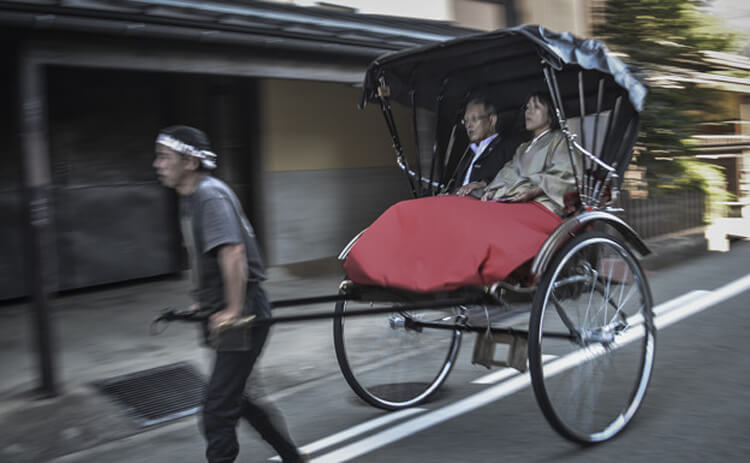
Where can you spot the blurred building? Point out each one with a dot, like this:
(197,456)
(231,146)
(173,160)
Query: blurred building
(274,83)
(89,84)
(725,143)
(561,15)
(728,144)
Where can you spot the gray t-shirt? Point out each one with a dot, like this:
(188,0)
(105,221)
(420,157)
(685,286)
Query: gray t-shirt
(211,217)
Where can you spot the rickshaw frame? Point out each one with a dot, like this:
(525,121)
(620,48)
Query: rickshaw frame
(621,95)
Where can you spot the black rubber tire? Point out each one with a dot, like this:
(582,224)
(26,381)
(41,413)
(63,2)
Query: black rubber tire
(410,393)
(592,266)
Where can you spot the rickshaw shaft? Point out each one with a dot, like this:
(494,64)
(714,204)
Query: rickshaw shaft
(427,305)
(308,300)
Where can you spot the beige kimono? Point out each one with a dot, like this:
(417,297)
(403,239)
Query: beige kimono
(543,162)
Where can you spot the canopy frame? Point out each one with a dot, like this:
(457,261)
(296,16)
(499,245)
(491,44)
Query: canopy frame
(605,153)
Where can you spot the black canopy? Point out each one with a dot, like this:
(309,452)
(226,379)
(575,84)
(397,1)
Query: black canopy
(505,65)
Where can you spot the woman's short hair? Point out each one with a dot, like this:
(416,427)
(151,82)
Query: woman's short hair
(544,99)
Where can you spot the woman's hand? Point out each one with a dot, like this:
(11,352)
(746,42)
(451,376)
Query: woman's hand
(469,187)
(526,196)
(488,195)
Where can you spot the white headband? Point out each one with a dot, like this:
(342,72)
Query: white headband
(208,158)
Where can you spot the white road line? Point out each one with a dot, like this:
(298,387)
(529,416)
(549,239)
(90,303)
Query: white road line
(679,301)
(676,311)
(495,376)
(356,430)
(505,373)
(714,297)
(425,421)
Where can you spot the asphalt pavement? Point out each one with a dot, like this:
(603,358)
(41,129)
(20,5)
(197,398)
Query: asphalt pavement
(103,332)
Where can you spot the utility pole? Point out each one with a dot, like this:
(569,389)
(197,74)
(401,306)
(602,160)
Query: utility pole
(40,247)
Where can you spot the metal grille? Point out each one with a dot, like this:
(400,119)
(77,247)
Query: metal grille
(157,395)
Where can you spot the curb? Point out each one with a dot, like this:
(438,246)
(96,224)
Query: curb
(674,248)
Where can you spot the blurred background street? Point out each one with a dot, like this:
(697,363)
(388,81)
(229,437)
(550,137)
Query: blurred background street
(91,250)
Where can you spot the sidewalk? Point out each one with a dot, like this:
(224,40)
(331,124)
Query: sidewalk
(102,333)
(671,249)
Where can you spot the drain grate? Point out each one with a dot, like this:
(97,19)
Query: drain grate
(157,395)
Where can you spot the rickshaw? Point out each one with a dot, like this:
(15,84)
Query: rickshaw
(578,316)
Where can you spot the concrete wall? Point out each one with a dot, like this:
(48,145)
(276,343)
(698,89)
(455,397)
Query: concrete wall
(479,15)
(329,168)
(424,9)
(559,15)
(313,125)
(313,214)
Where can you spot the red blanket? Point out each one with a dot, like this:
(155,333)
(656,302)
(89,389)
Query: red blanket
(444,243)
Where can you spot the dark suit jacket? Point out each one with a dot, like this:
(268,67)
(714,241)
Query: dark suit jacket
(492,159)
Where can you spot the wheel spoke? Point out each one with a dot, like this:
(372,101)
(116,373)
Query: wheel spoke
(592,389)
(595,277)
(564,318)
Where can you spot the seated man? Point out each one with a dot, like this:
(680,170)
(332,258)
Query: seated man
(487,152)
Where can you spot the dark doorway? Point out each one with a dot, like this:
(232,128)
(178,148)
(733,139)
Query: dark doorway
(113,221)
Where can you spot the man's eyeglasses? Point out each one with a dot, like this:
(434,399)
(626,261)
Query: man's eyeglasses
(473,120)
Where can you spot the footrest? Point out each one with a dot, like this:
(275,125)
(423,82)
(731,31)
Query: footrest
(484,350)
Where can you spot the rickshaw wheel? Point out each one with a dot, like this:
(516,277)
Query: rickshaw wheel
(389,362)
(590,384)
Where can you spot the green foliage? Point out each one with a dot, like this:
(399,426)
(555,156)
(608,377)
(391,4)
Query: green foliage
(708,178)
(672,116)
(666,32)
(658,36)
(691,174)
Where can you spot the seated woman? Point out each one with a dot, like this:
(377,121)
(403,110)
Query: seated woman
(447,242)
(541,169)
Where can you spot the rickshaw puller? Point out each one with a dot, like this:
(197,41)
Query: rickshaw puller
(226,272)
